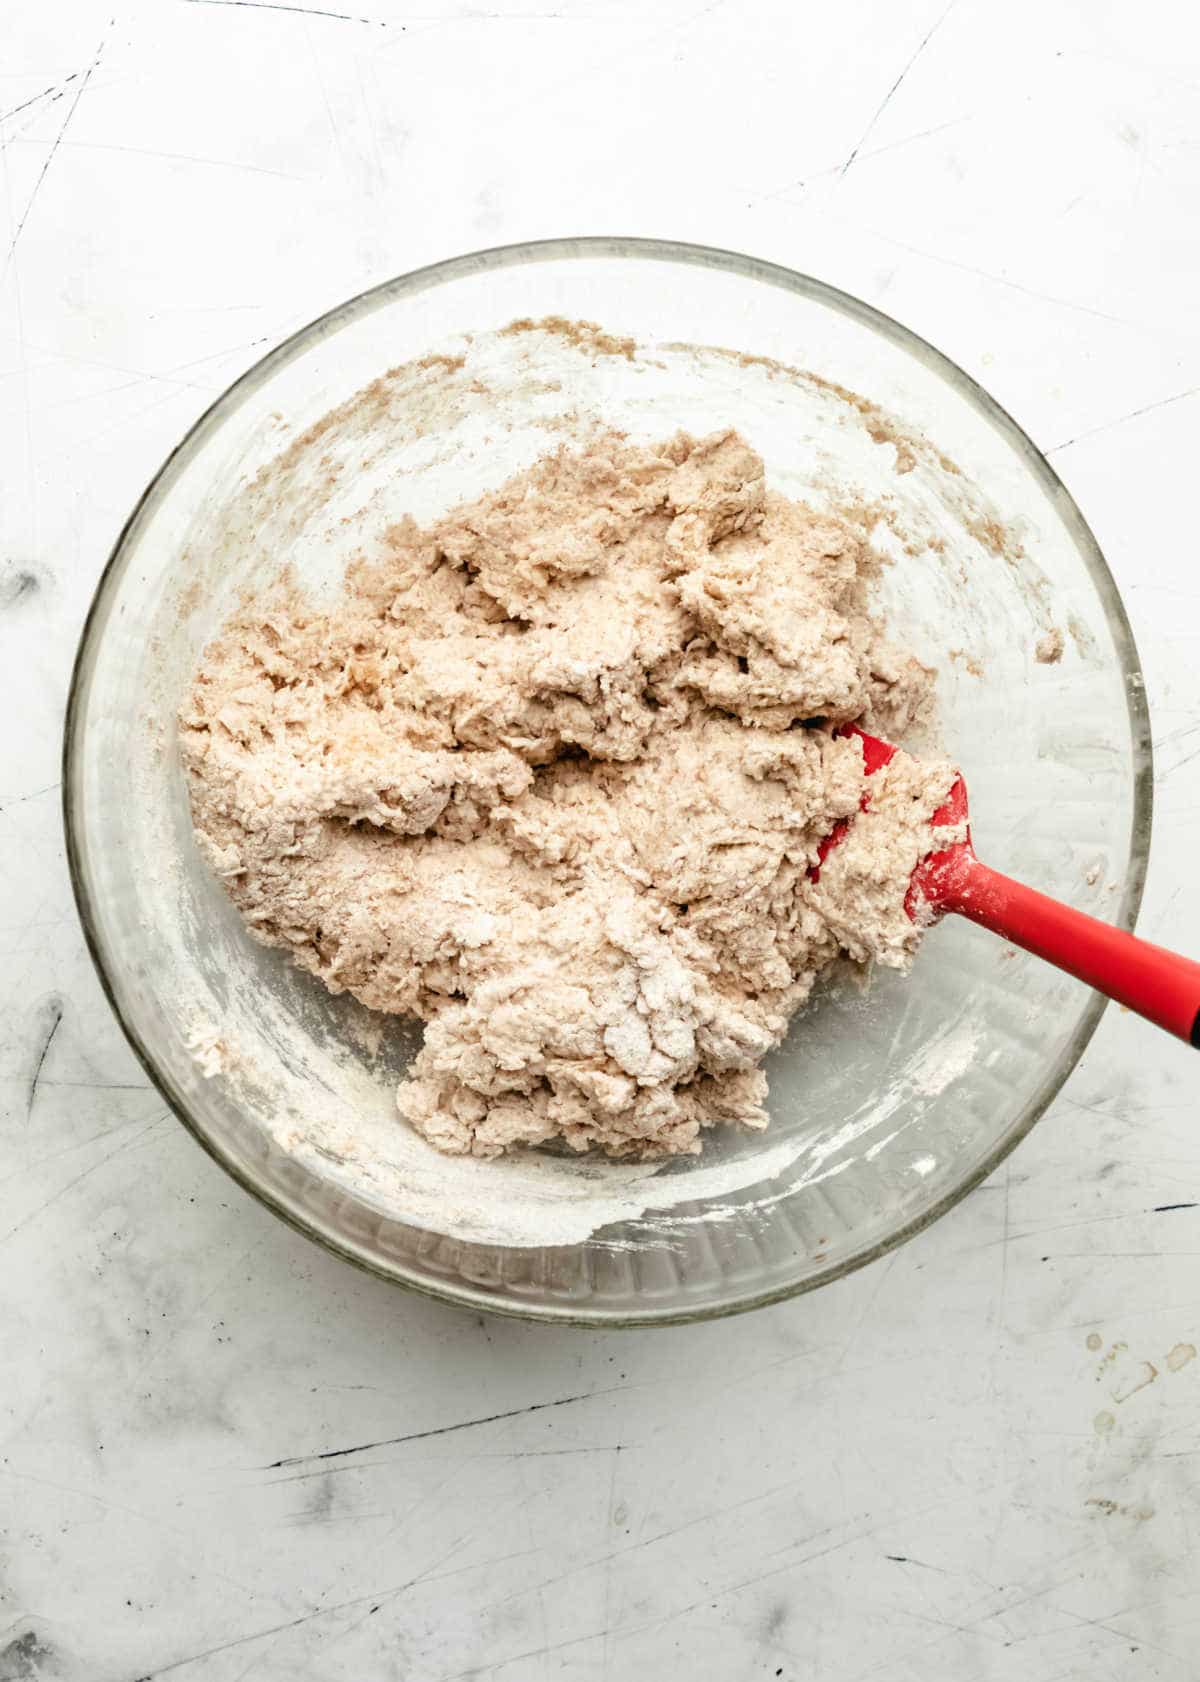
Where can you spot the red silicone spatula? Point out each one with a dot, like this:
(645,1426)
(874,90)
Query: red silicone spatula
(1158,984)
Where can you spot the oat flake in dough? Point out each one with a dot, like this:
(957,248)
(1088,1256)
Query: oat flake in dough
(551,777)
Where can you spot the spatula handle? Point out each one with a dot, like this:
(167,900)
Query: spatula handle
(1158,984)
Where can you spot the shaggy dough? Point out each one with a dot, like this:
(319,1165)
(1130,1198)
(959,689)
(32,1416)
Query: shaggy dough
(552,776)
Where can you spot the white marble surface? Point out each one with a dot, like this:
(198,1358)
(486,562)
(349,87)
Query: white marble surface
(906,1477)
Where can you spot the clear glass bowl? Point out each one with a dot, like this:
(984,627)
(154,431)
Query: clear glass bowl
(886,1107)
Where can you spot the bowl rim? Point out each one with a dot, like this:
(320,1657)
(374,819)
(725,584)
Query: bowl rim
(460,1293)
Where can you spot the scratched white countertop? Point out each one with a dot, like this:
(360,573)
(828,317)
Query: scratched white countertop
(975,1461)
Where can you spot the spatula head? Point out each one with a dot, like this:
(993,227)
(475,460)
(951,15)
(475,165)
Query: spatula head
(930,881)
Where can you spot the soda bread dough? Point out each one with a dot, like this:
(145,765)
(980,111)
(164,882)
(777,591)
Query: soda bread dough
(551,776)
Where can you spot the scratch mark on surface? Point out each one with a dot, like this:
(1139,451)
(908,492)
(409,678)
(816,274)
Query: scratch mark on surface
(20,799)
(546,1453)
(1181,734)
(144,375)
(109,1506)
(863,157)
(58,1196)
(183,158)
(179,386)
(1186,760)
(58,140)
(895,88)
(1001,280)
(1024,1234)
(376,1596)
(721,1513)
(1119,1255)
(53,1016)
(301,11)
(348,1631)
(1169,1208)
(335,134)
(52,93)
(1134,414)
(73,1150)
(475,15)
(608,1570)
(358,1466)
(435,1431)
(99,1086)
(710,1600)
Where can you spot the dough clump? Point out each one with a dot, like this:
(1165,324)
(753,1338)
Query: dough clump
(551,776)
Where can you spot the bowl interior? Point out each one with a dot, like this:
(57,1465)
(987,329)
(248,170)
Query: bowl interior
(885,1106)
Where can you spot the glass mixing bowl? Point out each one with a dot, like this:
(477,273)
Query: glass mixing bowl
(887,1106)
